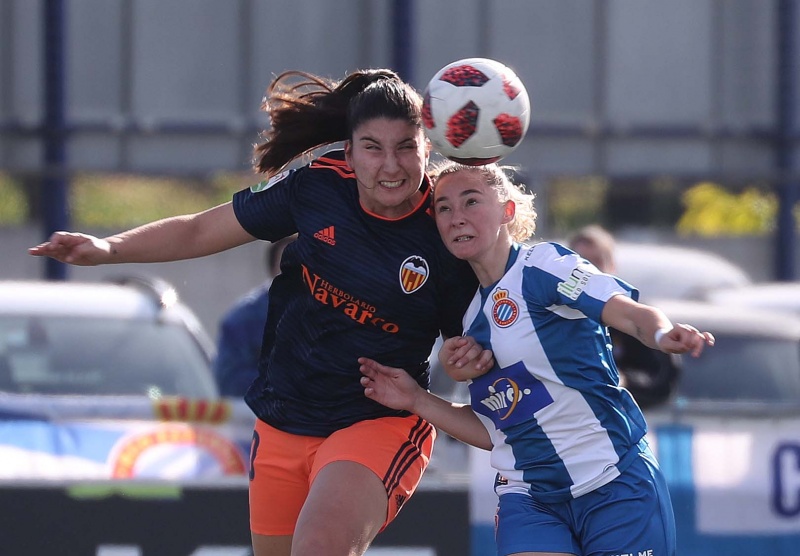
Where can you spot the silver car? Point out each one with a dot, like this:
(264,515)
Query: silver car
(111,380)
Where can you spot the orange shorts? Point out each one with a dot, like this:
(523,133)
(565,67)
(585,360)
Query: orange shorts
(283,465)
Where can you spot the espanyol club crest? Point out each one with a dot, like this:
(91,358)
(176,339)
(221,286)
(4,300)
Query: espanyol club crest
(413,273)
(505,310)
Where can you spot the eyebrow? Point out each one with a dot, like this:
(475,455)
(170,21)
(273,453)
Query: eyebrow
(371,139)
(462,194)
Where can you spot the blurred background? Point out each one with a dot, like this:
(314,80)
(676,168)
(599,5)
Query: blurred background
(668,123)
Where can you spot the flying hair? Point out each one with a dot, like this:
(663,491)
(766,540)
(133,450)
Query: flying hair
(307,111)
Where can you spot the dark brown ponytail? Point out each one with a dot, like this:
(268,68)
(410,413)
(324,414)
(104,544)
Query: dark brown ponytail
(307,111)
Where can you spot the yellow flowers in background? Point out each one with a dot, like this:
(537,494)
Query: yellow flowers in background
(712,210)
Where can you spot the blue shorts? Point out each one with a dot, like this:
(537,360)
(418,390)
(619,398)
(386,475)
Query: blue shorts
(630,515)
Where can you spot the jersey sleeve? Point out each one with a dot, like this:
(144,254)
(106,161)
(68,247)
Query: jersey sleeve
(265,210)
(561,277)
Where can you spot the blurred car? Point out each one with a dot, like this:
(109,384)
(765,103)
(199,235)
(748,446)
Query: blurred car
(755,360)
(778,296)
(669,271)
(131,337)
(110,380)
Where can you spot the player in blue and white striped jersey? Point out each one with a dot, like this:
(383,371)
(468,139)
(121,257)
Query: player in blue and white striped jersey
(575,474)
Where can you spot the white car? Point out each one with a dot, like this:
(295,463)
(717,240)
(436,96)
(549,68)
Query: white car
(670,271)
(778,296)
(111,380)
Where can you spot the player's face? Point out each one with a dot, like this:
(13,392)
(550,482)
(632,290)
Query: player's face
(389,158)
(471,218)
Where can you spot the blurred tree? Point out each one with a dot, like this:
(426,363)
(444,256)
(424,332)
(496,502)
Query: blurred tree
(712,210)
(575,202)
(14,206)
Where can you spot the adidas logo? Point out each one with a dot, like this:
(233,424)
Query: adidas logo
(326,235)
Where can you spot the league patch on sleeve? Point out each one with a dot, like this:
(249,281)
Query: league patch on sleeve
(266,184)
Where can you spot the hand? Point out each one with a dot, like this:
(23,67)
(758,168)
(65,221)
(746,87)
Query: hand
(74,248)
(388,386)
(464,359)
(684,338)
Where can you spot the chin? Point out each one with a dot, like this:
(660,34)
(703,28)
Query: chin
(460,250)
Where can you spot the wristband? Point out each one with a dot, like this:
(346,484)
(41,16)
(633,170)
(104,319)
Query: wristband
(660,334)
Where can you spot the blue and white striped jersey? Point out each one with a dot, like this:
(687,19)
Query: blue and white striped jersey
(560,423)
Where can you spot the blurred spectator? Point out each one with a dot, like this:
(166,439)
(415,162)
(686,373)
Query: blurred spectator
(242,329)
(595,244)
(649,375)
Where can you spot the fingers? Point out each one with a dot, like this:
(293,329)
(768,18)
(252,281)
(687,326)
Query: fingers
(368,367)
(684,338)
(465,351)
(485,361)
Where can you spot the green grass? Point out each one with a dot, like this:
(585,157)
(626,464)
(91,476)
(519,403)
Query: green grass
(121,201)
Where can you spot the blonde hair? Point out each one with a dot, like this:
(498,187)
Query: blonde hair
(523,226)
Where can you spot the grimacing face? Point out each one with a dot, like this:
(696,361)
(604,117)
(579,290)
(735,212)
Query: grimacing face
(389,157)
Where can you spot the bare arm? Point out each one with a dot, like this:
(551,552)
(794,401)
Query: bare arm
(170,239)
(644,321)
(395,388)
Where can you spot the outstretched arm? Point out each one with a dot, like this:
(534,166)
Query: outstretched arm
(395,388)
(170,239)
(652,327)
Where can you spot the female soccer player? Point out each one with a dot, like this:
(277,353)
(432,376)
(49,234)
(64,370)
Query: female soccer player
(575,473)
(367,275)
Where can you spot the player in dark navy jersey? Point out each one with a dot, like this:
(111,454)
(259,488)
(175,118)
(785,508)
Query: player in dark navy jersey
(353,278)
(368,275)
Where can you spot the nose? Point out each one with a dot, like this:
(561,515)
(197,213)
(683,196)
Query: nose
(390,161)
(457,218)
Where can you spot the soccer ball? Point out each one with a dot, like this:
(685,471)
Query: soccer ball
(475,111)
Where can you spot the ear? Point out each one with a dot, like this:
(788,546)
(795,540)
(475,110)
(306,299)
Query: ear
(348,152)
(509,211)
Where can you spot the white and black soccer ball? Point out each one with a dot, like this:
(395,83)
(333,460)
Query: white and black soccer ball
(475,111)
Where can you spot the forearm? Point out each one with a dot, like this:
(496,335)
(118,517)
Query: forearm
(635,319)
(178,238)
(457,420)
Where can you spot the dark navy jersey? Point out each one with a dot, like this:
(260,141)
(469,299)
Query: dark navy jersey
(353,284)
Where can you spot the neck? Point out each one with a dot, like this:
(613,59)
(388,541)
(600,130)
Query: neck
(492,266)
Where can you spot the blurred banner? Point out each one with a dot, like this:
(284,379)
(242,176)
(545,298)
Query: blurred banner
(85,437)
(131,477)
(199,519)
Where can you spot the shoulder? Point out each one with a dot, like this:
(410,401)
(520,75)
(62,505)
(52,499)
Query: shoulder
(333,162)
(330,166)
(545,254)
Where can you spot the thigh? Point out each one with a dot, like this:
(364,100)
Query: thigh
(345,509)
(396,450)
(630,515)
(525,526)
(264,545)
(280,471)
